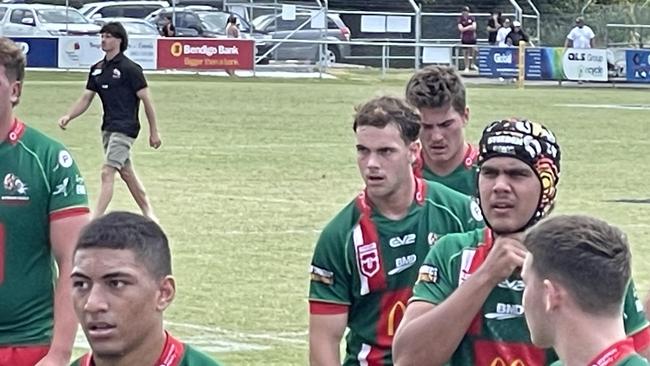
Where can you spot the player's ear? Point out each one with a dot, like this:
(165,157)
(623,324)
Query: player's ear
(166,293)
(465,116)
(553,296)
(414,151)
(16,90)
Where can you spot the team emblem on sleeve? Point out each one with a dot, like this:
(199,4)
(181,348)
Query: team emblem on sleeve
(321,275)
(428,274)
(65,159)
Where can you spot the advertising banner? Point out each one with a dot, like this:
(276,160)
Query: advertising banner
(566,64)
(637,65)
(79,52)
(206,53)
(498,61)
(143,50)
(40,52)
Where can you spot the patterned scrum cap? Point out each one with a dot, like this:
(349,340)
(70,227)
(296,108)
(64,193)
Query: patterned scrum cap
(531,143)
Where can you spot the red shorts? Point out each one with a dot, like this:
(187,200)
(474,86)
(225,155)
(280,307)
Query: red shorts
(22,356)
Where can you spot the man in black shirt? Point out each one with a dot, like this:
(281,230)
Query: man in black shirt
(516,35)
(121,86)
(494,23)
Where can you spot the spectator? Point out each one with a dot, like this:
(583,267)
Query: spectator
(232,31)
(467,29)
(168,29)
(581,36)
(503,33)
(516,35)
(493,25)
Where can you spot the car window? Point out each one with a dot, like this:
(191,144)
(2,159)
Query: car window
(3,11)
(17,15)
(110,12)
(137,11)
(60,15)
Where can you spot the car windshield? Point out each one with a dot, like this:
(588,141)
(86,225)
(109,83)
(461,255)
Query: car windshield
(59,16)
(216,21)
(139,29)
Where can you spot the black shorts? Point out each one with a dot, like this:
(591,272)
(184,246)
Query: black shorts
(469,41)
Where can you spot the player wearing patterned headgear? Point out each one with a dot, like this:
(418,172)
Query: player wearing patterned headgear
(481,322)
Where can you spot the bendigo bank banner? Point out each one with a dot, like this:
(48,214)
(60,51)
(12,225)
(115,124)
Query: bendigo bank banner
(206,53)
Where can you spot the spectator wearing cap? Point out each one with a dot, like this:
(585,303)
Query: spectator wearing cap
(516,35)
(467,29)
(581,36)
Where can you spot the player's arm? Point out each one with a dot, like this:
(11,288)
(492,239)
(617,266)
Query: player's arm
(325,334)
(472,26)
(154,137)
(64,233)
(78,108)
(460,27)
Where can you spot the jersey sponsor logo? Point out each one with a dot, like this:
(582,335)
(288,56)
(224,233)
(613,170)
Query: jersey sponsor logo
(96,72)
(321,275)
(506,311)
(15,189)
(117,74)
(80,187)
(394,317)
(475,210)
(398,241)
(62,188)
(369,259)
(515,285)
(428,274)
(432,238)
(403,263)
(501,362)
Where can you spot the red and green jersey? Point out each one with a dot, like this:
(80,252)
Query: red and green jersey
(175,353)
(498,335)
(370,278)
(40,184)
(463,178)
(619,354)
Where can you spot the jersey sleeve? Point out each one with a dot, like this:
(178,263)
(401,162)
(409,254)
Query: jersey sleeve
(91,84)
(67,187)
(436,277)
(572,34)
(634,316)
(136,78)
(331,275)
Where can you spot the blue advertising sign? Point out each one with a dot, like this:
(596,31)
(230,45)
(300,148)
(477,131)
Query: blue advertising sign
(637,63)
(40,52)
(498,61)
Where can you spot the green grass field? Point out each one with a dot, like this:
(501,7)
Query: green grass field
(251,170)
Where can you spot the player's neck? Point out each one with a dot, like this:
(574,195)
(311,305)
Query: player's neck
(6,125)
(396,205)
(444,168)
(582,338)
(147,353)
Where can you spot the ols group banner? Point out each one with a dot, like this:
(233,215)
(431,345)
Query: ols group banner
(637,65)
(40,52)
(498,61)
(206,53)
(566,64)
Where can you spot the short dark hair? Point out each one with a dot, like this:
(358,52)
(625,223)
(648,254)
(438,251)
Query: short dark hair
(128,231)
(382,111)
(13,59)
(232,19)
(116,29)
(587,256)
(435,87)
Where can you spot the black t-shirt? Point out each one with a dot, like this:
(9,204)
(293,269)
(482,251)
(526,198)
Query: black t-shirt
(168,30)
(492,35)
(515,37)
(117,81)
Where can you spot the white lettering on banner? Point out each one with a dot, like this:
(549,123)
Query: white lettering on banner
(585,64)
(210,50)
(503,58)
(23,47)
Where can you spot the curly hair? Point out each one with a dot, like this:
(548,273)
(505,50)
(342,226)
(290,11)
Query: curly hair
(435,87)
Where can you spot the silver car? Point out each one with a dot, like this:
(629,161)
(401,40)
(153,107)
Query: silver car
(36,20)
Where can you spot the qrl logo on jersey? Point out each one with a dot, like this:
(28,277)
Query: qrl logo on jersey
(369,259)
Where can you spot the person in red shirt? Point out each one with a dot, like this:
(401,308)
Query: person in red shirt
(467,29)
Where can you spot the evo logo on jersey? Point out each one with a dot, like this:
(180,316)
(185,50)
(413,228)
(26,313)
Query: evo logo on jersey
(403,263)
(506,311)
(15,189)
(397,241)
(515,285)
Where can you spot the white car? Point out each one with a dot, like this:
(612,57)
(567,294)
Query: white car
(37,20)
(126,9)
(133,26)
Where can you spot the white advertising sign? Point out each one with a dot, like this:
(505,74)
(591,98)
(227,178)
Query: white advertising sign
(585,64)
(143,51)
(79,52)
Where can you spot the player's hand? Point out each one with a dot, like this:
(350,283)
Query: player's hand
(63,121)
(154,140)
(507,254)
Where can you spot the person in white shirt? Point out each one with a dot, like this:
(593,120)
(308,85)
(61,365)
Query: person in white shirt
(581,36)
(502,33)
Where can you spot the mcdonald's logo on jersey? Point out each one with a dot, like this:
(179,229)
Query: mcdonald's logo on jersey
(395,317)
(501,362)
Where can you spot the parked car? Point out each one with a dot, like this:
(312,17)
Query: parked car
(128,9)
(133,26)
(280,28)
(186,21)
(36,20)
